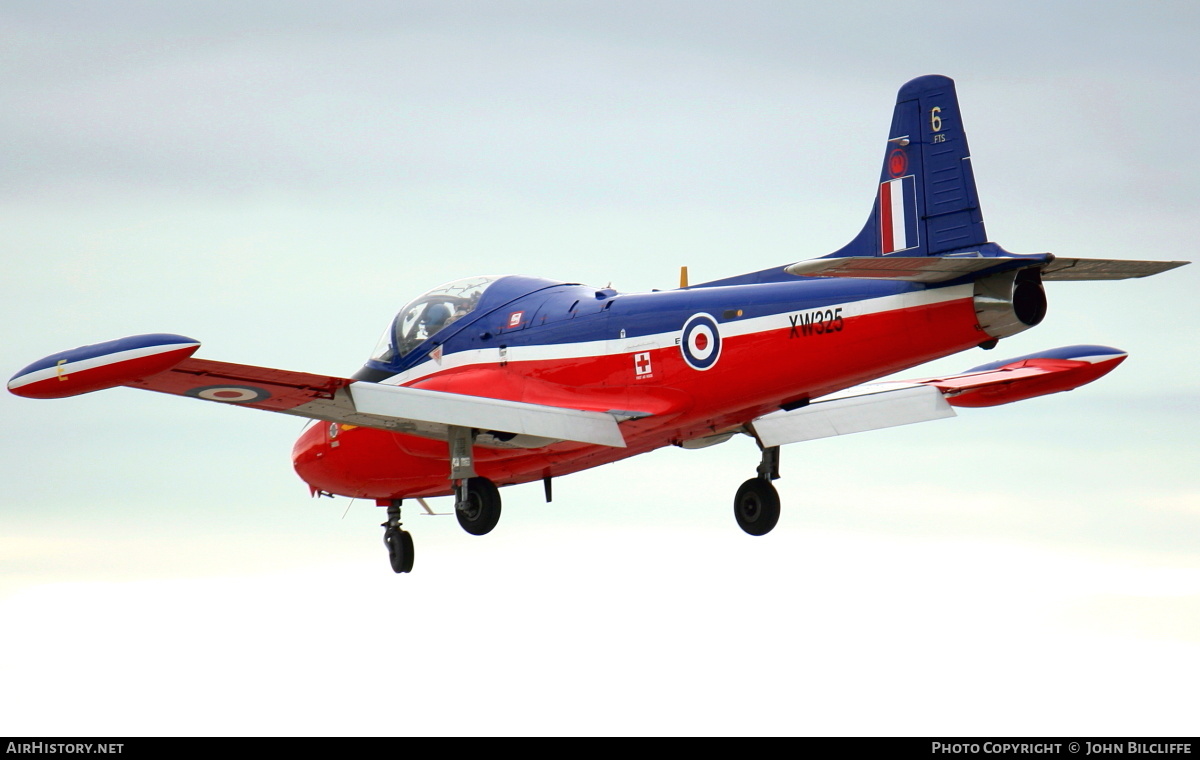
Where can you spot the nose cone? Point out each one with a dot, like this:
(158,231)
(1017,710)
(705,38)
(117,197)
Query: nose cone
(367,463)
(308,454)
(339,459)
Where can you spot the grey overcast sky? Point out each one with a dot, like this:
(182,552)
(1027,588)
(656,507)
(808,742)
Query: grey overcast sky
(276,179)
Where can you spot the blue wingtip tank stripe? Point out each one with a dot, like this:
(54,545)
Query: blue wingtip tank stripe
(1075,353)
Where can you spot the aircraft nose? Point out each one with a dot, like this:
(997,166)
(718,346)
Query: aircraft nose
(321,459)
(309,448)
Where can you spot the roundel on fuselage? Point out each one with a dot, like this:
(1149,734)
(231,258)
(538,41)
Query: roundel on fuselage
(700,342)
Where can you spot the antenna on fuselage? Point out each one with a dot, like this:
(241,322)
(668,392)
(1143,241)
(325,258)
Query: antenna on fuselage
(683,278)
(428,510)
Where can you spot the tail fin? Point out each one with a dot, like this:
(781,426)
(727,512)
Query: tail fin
(927,212)
(927,203)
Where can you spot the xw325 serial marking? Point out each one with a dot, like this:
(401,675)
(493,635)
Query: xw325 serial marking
(819,322)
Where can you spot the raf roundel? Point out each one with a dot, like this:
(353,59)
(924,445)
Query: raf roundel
(700,342)
(230,394)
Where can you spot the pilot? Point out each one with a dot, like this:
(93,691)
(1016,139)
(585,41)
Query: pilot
(435,318)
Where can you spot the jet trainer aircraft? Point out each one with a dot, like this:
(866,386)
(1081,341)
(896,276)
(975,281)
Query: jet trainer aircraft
(491,381)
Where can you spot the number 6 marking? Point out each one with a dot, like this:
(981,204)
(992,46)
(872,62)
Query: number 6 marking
(935,121)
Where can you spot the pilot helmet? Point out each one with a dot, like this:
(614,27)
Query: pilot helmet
(435,317)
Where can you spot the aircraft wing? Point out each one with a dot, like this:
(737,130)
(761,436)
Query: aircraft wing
(882,405)
(163,363)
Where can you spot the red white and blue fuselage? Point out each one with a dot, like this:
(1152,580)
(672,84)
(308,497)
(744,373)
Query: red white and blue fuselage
(693,363)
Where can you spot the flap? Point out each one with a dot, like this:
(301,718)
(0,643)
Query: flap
(853,411)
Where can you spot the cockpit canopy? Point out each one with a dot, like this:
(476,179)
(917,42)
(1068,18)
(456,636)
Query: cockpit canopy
(427,314)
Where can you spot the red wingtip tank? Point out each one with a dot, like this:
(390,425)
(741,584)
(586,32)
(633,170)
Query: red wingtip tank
(101,365)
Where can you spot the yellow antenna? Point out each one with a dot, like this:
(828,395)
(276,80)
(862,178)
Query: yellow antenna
(683,281)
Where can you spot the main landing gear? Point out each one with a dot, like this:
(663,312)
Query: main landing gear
(756,505)
(477,505)
(476,500)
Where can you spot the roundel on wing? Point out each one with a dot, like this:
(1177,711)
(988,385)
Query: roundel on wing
(230,394)
(700,342)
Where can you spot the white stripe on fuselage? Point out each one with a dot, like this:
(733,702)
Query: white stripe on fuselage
(640,343)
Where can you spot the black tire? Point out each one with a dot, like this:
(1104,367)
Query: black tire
(482,510)
(756,507)
(400,549)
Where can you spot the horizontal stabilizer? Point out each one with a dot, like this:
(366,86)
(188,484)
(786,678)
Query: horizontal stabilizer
(929,269)
(1105,269)
(934,269)
(853,411)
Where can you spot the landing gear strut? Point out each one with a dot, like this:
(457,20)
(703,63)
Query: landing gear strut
(399,542)
(477,505)
(756,505)
(476,500)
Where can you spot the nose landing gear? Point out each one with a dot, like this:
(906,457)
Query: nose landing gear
(398,541)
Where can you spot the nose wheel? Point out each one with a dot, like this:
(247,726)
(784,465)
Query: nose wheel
(398,541)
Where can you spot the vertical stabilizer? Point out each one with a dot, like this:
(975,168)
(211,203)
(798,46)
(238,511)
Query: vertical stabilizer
(926,203)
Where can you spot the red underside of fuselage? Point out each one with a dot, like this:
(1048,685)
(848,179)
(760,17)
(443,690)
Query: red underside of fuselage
(753,376)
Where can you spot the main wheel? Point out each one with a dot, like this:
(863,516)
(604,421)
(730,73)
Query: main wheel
(482,509)
(756,506)
(400,549)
